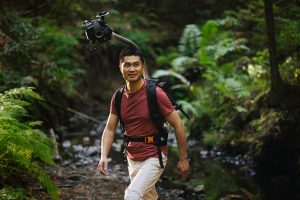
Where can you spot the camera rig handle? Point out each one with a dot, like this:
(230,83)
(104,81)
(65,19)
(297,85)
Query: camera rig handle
(98,32)
(124,40)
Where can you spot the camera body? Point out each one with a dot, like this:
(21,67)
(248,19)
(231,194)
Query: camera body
(97,30)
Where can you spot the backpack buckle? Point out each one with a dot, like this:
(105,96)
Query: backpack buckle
(149,139)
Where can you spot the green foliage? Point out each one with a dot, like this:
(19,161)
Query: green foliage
(287,26)
(165,60)
(12,194)
(217,44)
(22,146)
(19,40)
(182,63)
(288,37)
(224,85)
(290,70)
(209,33)
(190,41)
(38,53)
(211,139)
(251,24)
(218,182)
(160,73)
(233,69)
(140,37)
(257,70)
(10,79)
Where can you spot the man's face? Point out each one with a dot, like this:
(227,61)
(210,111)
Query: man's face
(131,68)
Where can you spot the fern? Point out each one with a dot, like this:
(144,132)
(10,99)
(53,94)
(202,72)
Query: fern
(222,87)
(226,46)
(190,41)
(22,146)
(209,33)
(12,194)
(182,63)
(170,72)
(40,48)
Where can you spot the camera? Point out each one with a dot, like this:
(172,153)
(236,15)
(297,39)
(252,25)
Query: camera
(97,30)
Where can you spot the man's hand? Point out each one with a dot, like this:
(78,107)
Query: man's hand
(183,168)
(103,166)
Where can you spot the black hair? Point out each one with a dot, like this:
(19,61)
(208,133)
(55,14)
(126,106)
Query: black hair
(131,51)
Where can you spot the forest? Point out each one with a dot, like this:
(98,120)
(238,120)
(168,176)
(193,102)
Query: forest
(234,66)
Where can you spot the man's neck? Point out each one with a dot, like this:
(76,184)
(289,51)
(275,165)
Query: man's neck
(134,86)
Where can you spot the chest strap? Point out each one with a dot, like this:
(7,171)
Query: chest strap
(151,139)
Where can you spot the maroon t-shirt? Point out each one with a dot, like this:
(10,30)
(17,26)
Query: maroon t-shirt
(137,121)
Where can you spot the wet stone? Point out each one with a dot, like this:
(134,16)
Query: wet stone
(86,140)
(66,144)
(199,188)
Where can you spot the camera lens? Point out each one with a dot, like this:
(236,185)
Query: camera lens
(99,34)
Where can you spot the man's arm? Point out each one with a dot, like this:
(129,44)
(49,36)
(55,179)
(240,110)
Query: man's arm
(106,142)
(175,121)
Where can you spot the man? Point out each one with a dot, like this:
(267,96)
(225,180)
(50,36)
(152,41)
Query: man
(143,162)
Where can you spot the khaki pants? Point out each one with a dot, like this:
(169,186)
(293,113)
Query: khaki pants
(143,176)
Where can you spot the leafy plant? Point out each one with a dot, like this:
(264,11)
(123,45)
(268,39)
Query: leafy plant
(12,194)
(22,146)
(190,41)
(224,85)
(211,139)
(141,38)
(41,49)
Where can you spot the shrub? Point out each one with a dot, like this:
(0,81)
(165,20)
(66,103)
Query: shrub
(22,146)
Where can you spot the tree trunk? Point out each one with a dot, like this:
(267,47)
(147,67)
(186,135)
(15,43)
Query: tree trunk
(276,81)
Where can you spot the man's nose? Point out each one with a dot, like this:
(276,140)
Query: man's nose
(131,68)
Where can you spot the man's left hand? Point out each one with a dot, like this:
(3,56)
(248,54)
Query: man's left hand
(183,168)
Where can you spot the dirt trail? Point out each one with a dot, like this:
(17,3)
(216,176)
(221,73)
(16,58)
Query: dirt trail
(86,183)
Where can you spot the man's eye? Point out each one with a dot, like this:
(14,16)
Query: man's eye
(136,64)
(127,65)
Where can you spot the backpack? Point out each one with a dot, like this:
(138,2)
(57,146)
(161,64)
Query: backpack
(160,139)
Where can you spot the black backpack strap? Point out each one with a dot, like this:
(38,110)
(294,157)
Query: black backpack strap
(154,110)
(118,101)
(155,114)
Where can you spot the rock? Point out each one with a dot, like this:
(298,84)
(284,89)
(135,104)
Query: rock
(77,148)
(66,144)
(86,140)
(199,188)
(119,132)
(117,146)
(66,163)
(92,150)
(233,196)
(100,128)
(93,133)
(74,177)
(97,142)
(203,153)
